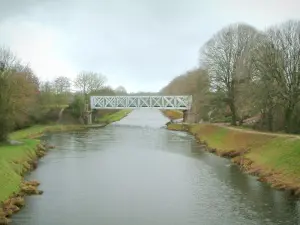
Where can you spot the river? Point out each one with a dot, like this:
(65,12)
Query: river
(135,172)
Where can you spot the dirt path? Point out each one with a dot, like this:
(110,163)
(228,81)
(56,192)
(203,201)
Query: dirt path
(60,115)
(257,132)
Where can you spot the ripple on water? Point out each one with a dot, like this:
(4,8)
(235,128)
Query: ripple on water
(133,172)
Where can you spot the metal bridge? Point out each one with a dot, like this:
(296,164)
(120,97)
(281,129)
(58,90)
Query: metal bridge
(158,102)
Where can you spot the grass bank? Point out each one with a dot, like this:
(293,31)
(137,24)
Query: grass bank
(17,159)
(13,162)
(173,114)
(274,158)
(14,159)
(110,118)
(37,130)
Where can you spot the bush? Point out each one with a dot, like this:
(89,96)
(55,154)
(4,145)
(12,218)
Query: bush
(77,106)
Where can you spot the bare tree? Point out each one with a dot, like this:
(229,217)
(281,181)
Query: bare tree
(104,91)
(89,81)
(194,82)
(264,87)
(8,59)
(62,90)
(286,39)
(121,90)
(278,62)
(47,93)
(222,55)
(62,85)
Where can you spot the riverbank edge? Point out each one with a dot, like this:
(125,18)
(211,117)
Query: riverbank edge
(246,157)
(26,163)
(114,117)
(16,201)
(172,114)
(39,130)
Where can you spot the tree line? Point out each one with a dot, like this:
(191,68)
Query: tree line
(26,100)
(246,76)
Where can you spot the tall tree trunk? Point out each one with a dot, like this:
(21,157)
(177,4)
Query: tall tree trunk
(288,119)
(3,136)
(270,120)
(233,112)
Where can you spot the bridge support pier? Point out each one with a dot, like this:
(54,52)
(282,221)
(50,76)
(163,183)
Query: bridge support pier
(185,115)
(88,115)
(89,119)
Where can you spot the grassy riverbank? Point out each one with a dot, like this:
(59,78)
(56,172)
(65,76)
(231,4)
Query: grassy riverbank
(173,114)
(18,158)
(110,118)
(37,130)
(14,159)
(274,158)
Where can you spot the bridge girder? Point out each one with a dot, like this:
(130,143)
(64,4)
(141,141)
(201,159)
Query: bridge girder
(132,102)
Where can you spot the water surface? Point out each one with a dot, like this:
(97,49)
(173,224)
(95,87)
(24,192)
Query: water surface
(135,172)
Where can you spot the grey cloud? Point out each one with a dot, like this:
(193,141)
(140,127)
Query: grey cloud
(142,44)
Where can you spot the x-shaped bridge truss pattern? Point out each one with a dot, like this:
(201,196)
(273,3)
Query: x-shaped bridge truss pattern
(158,102)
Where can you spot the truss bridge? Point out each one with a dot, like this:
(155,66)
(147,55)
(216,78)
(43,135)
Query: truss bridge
(158,102)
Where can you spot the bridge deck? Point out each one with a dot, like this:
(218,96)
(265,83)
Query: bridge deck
(158,102)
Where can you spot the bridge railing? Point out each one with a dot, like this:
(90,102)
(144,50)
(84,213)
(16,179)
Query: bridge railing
(158,102)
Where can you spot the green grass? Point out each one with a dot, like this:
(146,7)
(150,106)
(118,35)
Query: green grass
(215,140)
(37,130)
(269,152)
(110,118)
(12,159)
(225,139)
(28,132)
(281,154)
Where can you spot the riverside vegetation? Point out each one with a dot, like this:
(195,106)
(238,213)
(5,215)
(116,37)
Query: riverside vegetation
(15,161)
(22,156)
(245,77)
(173,114)
(248,79)
(274,158)
(113,117)
(30,107)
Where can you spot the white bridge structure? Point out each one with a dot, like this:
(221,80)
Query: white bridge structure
(158,102)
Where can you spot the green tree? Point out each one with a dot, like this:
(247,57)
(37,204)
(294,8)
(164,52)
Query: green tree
(6,105)
(18,93)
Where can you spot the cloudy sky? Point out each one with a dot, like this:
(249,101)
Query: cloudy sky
(139,44)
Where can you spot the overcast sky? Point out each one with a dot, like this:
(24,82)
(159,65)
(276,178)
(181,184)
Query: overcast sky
(139,44)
